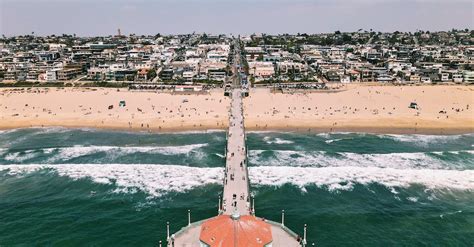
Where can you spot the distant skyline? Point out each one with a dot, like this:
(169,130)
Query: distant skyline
(104,17)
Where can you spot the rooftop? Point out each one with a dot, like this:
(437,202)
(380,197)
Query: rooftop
(226,230)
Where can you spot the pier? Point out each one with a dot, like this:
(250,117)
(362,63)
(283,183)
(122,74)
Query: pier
(236,223)
(236,198)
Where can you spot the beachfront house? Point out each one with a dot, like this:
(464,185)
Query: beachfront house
(261,70)
(468,76)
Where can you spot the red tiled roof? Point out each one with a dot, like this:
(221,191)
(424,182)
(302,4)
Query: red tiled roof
(247,230)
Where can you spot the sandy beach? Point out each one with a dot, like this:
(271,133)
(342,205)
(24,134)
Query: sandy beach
(359,108)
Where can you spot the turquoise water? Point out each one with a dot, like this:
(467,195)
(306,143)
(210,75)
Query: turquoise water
(102,188)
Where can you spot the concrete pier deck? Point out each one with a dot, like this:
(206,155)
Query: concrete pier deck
(236,196)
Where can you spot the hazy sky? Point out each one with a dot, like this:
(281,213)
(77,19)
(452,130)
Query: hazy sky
(104,17)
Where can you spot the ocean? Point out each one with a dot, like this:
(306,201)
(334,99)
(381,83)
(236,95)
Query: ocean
(76,187)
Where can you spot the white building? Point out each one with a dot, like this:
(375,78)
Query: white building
(468,76)
(261,69)
(286,66)
(457,78)
(52,75)
(188,76)
(219,56)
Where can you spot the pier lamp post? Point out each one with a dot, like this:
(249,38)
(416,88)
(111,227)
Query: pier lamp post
(167,232)
(189,217)
(253,205)
(304,236)
(160,243)
(283,218)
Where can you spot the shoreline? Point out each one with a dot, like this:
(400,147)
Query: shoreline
(299,129)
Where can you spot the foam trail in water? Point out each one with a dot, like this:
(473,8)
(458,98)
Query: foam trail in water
(324,159)
(342,178)
(333,140)
(219,155)
(66,153)
(169,150)
(7,131)
(276,140)
(155,180)
(19,157)
(424,140)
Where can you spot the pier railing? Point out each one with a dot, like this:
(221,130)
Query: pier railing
(170,241)
(246,160)
(284,228)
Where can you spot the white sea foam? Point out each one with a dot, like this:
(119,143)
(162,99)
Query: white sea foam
(424,140)
(65,153)
(270,140)
(267,132)
(332,140)
(450,213)
(7,131)
(207,131)
(220,155)
(342,178)
(416,160)
(412,199)
(78,151)
(155,180)
(20,156)
(49,130)
(324,135)
(328,135)
(33,131)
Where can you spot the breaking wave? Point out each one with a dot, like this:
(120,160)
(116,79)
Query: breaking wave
(154,180)
(20,156)
(424,140)
(333,140)
(344,178)
(157,180)
(270,140)
(65,153)
(416,139)
(7,131)
(432,160)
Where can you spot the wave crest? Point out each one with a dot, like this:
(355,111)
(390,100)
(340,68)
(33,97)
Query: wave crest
(276,140)
(343,178)
(424,140)
(389,160)
(157,180)
(66,153)
(154,180)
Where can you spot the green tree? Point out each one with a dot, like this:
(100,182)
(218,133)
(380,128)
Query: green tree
(346,38)
(151,74)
